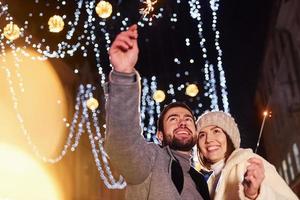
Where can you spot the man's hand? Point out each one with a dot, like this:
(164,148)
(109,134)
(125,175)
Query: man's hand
(123,53)
(253,178)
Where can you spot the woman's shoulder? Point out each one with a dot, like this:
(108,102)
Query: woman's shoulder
(241,155)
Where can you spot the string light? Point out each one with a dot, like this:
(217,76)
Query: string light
(214,5)
(73,43)
(210,84)
(109,182)
(78,120)
(81,99)
(149,109)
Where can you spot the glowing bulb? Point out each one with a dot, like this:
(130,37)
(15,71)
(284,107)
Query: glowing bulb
(104,9)
(192,90)
(265,113)
(92,103)
(11,31)
(159,96)
(56,24)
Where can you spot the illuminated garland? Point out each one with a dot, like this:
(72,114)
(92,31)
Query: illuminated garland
(81,120)
(214,4)
(209,71)
(81,111)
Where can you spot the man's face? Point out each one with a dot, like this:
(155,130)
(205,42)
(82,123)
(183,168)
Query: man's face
(179,129)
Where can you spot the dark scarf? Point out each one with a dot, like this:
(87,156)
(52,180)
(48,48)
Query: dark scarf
(199,180)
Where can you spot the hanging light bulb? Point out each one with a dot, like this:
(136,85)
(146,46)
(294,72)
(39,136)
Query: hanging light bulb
(104,9)
(92,103)
(159,96)
(56,24)
(191,90)
(11,31)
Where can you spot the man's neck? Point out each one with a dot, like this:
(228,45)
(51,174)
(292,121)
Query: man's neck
(184,152)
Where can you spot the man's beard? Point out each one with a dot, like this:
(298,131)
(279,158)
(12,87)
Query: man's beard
(179,144)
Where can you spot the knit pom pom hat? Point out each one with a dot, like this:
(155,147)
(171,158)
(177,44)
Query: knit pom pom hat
(222,120)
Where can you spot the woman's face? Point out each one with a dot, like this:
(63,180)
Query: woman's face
(212,142)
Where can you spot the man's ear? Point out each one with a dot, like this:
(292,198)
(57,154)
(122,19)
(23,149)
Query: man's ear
(160,136)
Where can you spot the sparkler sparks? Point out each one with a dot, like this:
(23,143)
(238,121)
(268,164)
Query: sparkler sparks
(149,8)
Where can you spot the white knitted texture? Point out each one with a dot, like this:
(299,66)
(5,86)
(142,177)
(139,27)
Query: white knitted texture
(222,120)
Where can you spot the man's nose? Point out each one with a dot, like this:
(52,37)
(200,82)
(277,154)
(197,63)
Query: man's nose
(182,122)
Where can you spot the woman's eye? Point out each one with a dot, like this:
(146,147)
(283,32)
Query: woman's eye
(216,131)
(201,135)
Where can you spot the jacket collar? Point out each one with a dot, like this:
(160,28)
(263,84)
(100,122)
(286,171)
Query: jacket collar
(178,178)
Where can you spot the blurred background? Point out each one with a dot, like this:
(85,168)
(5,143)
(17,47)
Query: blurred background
(239,57)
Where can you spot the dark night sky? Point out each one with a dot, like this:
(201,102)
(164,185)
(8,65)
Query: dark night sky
(245,28)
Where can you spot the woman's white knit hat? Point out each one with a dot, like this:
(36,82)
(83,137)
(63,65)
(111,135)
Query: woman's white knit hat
(222,120)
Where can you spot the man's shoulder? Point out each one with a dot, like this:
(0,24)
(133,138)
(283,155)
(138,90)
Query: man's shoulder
(163,154)
(157,147)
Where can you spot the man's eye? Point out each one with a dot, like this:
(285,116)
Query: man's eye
(172,118)
(189,119)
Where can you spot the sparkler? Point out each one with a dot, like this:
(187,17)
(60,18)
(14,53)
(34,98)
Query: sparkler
(265,114)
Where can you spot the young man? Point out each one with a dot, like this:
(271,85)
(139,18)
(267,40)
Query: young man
(151,172)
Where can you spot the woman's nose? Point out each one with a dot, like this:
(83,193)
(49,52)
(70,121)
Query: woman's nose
(209,138)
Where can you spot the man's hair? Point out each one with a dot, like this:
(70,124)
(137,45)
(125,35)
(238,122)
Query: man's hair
(160,121)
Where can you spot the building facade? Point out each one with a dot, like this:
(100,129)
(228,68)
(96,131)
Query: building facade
(278,90)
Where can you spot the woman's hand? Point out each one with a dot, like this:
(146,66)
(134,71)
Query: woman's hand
(253,178)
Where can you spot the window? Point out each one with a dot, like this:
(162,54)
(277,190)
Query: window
(293,62)
(296,156)
(291,84)
(278,51)
(280,172)
(291,168)
(285,172)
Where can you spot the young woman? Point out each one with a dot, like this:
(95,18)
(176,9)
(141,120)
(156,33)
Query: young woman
(236,173)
